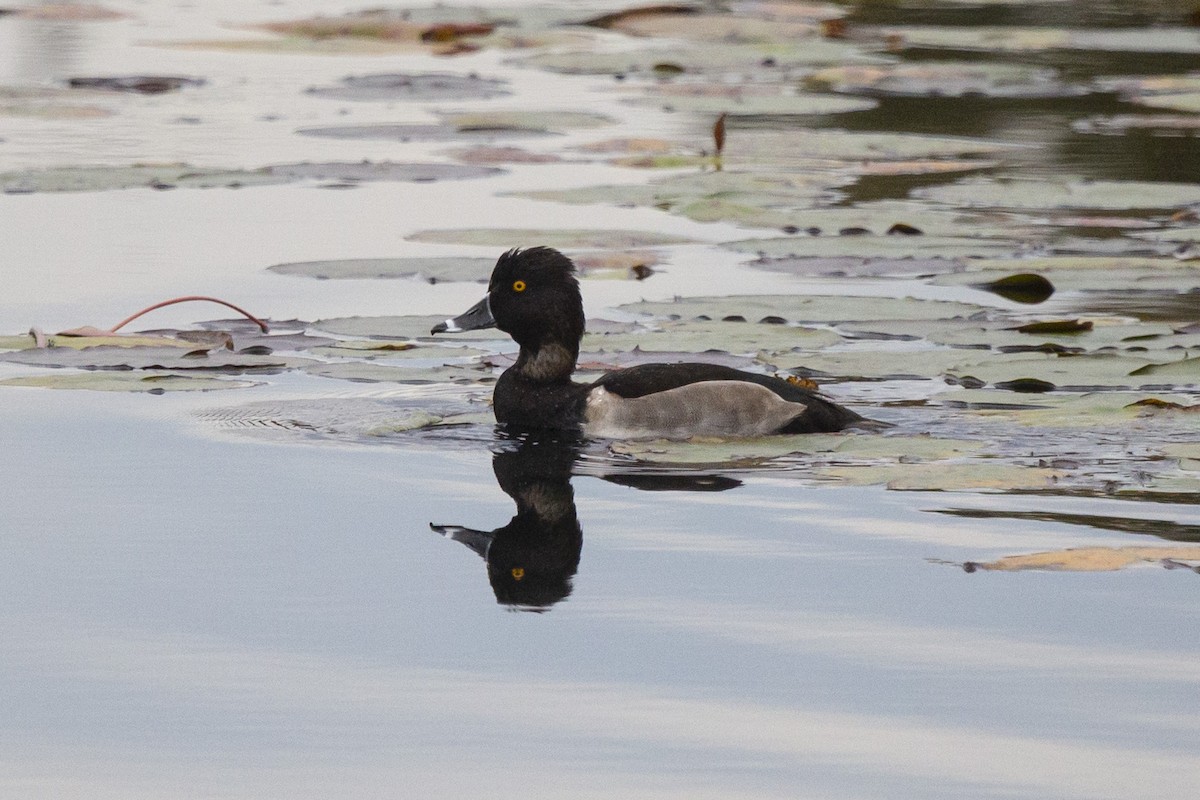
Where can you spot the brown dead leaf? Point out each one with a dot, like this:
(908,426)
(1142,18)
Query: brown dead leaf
(1088,559)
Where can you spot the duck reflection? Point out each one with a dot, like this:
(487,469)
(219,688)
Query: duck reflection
(532,560)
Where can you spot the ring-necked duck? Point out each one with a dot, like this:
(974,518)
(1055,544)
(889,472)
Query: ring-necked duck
(534,297)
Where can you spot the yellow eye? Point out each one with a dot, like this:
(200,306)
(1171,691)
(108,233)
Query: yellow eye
(518,286)
(518,572)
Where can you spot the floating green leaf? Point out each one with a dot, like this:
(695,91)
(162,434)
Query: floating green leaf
(567,239)
(155,382)
(432,269)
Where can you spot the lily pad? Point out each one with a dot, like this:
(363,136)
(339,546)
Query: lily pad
(173,358)
(566,239)
(154,383)
(358,171)
(1020,39)
(155,176)
(433,269)
(945,476)
(1185,371)
(729,58)
(1074,373)
(523,120)
(805,308)
(876,364)
(486,154)
(1122,124)
(138,84)
(767,146)
(689,23)
(413,86)
(401,328)
(1074,194)
(873,246)
(413,133)
(748,100)
(1089,559)
(867,448)
(943,79)
(369,372)
(698,336)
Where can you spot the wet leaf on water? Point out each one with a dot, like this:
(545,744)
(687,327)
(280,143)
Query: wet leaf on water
(744,452)
(552,120)
(735,57)
(98,179)
(453,31)
(943,79)
(858,267)
(873,246)
(432,269)
(946,476)
(1021,39)
(101,339)
(1088,559)
(370,372)
(1122,124)
(413,86)
(138,84)
(358,171)
(375,350)
(698,336)
(400,328)
(565,239)
(108,381)
(1024,287)
(414,133)
(767,146)
(485,154)
(616,19)
(171,357)
(805,308)
(1185,370)
(1074,194)
(747,100)
(298,45)
(1071,373)
(69,12)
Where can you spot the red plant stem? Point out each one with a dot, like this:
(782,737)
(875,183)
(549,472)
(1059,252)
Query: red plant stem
(262,325)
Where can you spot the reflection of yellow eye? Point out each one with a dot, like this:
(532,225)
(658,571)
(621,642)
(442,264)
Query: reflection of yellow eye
(519,286)
(518,572)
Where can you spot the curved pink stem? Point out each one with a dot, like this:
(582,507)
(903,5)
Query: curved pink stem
(262,325)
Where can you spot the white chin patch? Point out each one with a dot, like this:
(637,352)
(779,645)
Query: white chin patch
(731,409)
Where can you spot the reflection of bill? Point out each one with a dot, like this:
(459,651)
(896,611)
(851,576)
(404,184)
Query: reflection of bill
(532,560)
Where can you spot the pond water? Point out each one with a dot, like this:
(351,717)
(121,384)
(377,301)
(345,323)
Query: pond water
(293,590)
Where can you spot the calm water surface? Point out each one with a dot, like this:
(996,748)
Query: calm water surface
(189,612)
(190,616)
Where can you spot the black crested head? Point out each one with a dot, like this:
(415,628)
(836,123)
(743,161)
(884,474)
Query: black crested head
(534,297)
